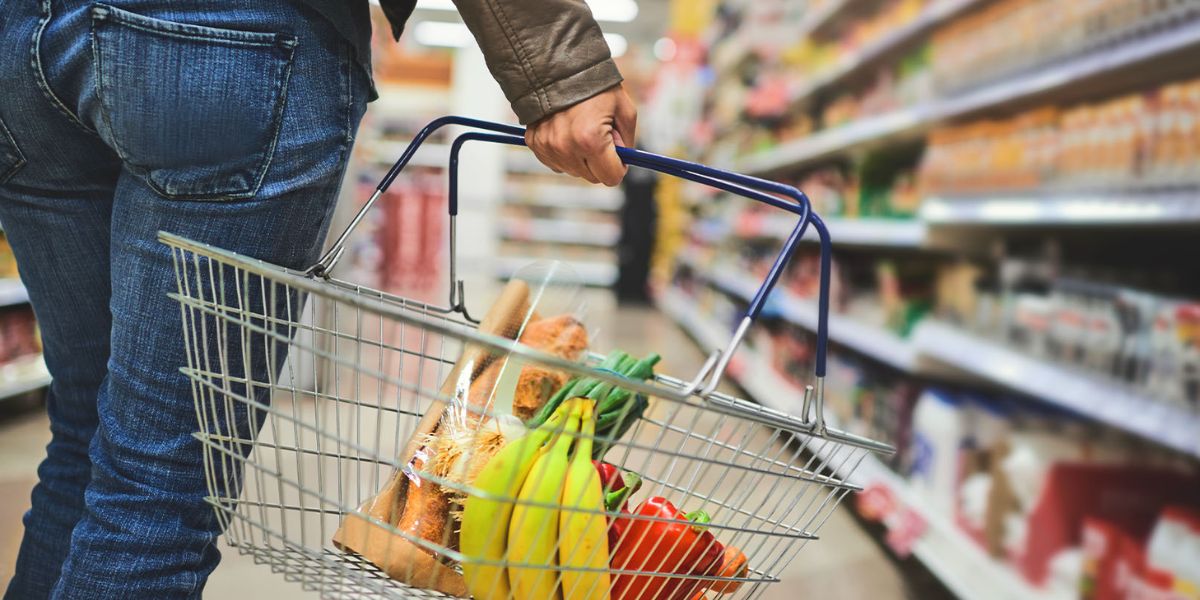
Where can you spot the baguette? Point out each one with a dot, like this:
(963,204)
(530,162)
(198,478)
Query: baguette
(430,516)
(391,529)
(369,531)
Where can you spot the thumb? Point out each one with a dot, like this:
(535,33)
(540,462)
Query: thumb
(606,165)
(625,120)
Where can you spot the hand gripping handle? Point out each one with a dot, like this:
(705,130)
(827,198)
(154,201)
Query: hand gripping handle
(783,197)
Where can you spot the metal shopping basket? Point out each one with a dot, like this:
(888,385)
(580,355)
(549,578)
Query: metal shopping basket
(304,419)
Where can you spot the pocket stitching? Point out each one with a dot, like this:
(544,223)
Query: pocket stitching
(6,135)
(39,73)
(288,45)
(104,12)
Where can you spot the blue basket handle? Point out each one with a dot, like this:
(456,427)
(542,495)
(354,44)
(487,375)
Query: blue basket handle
(754,188)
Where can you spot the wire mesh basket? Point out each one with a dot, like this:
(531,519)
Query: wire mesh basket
(315,397)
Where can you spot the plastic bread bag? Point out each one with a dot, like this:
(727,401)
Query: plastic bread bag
(408,527)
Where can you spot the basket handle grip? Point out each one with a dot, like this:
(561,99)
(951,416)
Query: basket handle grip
(761,190)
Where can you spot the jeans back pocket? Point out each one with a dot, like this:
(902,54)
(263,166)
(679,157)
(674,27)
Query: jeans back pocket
(11,159)
(193,110)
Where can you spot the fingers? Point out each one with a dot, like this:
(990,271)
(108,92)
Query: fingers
(582,139)
(626,119)
(535,138)
(606,165)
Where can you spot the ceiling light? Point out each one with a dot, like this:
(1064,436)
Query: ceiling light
(443,34)
(664,49)
(436,5)
(614,11)
(611,11)
(616,44)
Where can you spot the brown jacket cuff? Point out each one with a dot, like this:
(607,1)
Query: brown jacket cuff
(557,95)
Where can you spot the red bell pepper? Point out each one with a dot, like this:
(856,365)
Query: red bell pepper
(617,489)
(680,545)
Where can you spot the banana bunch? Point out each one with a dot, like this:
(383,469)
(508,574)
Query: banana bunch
(555,522)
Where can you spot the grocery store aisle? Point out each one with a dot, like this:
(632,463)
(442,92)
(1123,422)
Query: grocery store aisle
(845,563)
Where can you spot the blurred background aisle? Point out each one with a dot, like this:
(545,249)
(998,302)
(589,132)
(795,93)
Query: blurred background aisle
(1013,192)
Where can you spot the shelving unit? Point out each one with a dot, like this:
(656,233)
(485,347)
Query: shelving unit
(933,15)
(564,195)
(873,341)
(935,345)
(1086,393)
(553,231)
(13,292)
(596,274)
(896,233)
(1070,139)
(956,559)
(1143,52)
(386,152)
(23,376)
(1166,208)
(550,216)
(820,18)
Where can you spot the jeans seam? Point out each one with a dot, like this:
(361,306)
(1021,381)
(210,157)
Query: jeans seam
(39,73)
(103,12)
(9,173)
(348,98)
(277,122)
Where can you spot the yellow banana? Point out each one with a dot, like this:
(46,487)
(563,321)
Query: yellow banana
(484,532)
(533,528)
(583,536)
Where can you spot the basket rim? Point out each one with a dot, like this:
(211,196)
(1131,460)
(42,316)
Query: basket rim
(665,387)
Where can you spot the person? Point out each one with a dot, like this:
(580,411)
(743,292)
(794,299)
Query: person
(229,122)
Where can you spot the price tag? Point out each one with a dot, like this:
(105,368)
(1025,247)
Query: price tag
(875,503)
(905,528)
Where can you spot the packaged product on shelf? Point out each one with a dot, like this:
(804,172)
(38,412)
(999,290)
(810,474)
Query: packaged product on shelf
(1174,549)
(1126,495)
(1108,572)
(8,262)
(18,334)
(939,431)
(1140,140)
(1007,37)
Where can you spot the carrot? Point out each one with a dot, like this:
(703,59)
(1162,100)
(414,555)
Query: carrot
(733,564)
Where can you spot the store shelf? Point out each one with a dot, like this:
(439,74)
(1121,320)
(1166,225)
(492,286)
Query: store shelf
(1059,76)
(684,311)
(1089,394)
(896,233)
(13,292)
(23,376)
(821,18)
(934,14)
(565,195)
(873,341)
(523,161)
(581,272)
(1146,208)
(951,555)
(553,231)
(387,152)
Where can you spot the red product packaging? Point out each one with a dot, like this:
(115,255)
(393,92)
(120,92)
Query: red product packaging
(1112,559)
(1128,567)
(1129,497)
(1154,585)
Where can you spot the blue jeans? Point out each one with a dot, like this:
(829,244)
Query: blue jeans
(225,121)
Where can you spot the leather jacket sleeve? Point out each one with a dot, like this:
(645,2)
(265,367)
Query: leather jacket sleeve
(546,54)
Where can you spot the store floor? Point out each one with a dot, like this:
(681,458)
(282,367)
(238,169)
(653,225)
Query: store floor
(844,564)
